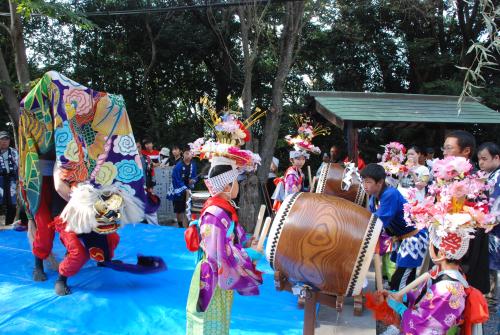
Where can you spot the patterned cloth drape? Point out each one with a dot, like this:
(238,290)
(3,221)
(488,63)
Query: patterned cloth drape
(89,132)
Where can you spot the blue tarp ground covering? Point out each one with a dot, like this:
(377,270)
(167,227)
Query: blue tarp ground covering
(108,302)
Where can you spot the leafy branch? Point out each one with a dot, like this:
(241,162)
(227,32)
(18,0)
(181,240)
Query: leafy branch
(59,11)
(484,52)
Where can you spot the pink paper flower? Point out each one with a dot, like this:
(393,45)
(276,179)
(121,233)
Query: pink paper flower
(456,199)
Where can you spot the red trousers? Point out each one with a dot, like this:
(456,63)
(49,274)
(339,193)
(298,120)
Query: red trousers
(44,236)
(77,253)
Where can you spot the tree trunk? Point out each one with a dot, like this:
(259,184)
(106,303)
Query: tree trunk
(145,82)
(468,27)
(248,63)
(288,46)
(16,35)
(250,189)
(251,27)
(8,93)
(249,202)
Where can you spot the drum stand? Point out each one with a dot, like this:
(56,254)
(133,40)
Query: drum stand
(312,298)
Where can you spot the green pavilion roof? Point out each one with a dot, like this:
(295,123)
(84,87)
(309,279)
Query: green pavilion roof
(379,109)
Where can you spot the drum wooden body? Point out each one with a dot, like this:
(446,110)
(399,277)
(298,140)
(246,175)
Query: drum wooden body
(197,201)
(323,241)
(331,182)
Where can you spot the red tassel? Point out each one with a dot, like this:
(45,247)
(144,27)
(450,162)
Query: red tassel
(381,311)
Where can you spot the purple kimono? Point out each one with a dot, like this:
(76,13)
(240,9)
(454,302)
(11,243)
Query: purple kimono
(439,309)
(225,263)
(293,180)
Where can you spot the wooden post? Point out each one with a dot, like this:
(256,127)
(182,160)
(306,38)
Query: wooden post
(310,312)
(351,135)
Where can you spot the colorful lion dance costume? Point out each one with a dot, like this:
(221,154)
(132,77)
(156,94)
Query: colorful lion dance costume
(77,146)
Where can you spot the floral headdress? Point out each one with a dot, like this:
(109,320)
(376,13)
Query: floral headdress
(393,157)
(456,206)
(394,151)
(230,133)
(302,142)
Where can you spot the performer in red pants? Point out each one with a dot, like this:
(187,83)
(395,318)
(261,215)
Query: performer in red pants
(51,205)
(82,247)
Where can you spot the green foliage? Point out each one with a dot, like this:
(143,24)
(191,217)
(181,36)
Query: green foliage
(52,9)
(384,46)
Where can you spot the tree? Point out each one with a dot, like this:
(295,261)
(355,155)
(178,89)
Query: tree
(293,22)
(15,32)
(16,35)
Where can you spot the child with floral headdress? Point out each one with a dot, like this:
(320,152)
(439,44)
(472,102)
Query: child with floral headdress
(293,179)
(227,261)
(456,206)
(392,161)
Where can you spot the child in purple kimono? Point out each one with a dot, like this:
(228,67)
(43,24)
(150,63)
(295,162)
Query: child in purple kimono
(436,306)
(293,180)
(227,263)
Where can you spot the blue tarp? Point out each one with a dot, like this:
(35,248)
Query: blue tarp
(109,302)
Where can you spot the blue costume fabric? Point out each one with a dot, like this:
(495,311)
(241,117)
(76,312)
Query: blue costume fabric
(410,252)
(494,238)
(181,175)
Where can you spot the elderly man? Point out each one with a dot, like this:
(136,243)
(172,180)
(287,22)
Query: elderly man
(9,163)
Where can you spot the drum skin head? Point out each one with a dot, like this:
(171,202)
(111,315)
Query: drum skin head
(330,182)
(324,241)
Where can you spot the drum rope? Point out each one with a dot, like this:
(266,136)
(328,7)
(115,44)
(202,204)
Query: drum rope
(349,171)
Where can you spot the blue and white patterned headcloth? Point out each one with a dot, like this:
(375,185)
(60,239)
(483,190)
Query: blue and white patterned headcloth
(298,153)
(218,183)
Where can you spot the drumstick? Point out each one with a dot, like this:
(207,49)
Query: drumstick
(260,218)
(414,284)
(263,234)
(309,175)
(377,262)
(313,184)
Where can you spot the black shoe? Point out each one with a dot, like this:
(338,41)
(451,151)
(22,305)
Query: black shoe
(38,273)
(61,286)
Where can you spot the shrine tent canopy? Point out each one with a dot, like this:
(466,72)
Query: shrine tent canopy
(360,109)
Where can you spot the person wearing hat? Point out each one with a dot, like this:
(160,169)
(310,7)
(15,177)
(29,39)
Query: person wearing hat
(293,180)
(9,163)
(164,156)
(452,213)
(227,261)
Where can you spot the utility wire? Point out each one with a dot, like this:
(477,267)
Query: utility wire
(172,8)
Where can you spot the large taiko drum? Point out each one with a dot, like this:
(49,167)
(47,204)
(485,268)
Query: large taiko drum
(343,182)
(324,241)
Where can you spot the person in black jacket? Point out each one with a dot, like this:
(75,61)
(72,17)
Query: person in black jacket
(475,263)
